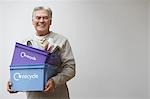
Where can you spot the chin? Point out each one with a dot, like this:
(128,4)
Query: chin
(41,33)
(41,30)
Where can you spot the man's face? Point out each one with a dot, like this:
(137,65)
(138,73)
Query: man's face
(41,22)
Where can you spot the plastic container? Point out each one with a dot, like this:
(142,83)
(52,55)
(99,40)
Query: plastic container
(31,78)
(26,55)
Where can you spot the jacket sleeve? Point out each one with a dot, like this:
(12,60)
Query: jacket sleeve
(68,65)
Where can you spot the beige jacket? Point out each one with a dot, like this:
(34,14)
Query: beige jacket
(67,69)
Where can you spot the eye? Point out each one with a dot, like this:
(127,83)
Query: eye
(45,17)
(38,17)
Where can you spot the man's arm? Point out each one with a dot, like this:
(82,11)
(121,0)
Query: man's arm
(68,65)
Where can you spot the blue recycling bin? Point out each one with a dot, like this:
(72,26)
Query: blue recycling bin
(31,77)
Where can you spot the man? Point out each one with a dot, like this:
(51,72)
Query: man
(55,87)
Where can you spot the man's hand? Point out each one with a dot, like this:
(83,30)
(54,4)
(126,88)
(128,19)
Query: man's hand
(50,86)
(9,84)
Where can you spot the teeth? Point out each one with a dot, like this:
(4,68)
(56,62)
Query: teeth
(41,25)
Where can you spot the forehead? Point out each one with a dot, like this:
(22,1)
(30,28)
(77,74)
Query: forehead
(41,13)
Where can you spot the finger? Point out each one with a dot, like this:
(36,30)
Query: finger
(9,86)
(46,86)
(9,83)
(47,89)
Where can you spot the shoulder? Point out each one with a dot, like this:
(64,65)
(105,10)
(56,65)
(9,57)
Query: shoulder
(59,36)
(59,39)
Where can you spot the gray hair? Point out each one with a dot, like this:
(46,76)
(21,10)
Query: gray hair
(49,11)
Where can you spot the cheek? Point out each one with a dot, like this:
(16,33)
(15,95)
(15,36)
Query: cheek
(48,23)
(34,23)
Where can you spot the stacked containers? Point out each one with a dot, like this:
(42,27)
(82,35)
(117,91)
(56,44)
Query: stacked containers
(31,68)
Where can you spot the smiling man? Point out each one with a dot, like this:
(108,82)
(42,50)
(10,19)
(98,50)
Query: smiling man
(56,87)
(41,20)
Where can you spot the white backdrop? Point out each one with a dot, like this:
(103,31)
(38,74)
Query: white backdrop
(109,39)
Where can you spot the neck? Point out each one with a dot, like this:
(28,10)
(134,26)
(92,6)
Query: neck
(42,33)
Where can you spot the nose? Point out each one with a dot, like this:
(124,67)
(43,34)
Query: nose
(41,19)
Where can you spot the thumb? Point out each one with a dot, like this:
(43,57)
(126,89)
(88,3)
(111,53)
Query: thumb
(47,85)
